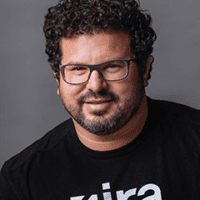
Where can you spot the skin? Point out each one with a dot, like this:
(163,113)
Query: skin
(88,101)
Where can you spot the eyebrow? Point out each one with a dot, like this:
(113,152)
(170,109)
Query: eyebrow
(80,63)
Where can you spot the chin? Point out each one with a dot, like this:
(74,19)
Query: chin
(106,121)
(102,123)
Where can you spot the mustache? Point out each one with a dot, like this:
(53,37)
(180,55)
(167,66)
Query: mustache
(103,94)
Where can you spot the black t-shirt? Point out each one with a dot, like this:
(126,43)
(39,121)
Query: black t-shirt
(163,162)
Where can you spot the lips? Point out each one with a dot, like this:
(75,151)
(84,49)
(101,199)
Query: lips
(97,101)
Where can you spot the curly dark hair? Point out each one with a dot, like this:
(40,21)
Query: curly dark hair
(76,17)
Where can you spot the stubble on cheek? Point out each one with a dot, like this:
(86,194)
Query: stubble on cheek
(101,125)
(103,122)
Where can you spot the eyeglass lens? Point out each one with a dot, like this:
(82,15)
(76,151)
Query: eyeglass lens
(78,73)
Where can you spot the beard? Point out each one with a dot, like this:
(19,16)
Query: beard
(101,125)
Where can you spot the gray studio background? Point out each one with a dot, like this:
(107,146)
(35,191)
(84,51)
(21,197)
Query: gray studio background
(29,105)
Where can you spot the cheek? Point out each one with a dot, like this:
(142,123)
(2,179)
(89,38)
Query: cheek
(128,87)
(69,93)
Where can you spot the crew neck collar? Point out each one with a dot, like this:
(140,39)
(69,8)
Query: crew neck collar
(134,144)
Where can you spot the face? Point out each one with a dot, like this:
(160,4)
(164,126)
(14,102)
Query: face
(101,107)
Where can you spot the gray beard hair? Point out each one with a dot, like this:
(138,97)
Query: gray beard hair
(101,126)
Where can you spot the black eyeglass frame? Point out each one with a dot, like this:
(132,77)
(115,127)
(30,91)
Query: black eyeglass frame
(96,67)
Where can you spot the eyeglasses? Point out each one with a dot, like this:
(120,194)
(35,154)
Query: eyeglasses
(113,70)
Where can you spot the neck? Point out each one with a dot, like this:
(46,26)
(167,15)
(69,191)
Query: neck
(118,139)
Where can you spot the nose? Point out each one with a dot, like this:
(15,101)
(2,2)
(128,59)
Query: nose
(96,83)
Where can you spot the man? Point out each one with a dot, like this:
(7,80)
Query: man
(119,144)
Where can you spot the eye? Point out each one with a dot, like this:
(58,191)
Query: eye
(112,68)
(78,68)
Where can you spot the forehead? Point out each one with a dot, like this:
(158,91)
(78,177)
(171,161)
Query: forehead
(97,48)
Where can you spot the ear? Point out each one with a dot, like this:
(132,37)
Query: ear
(146,73)
(58,90)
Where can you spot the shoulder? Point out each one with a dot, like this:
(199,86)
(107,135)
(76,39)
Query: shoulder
(45,144)
(175,111)
(176,127)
